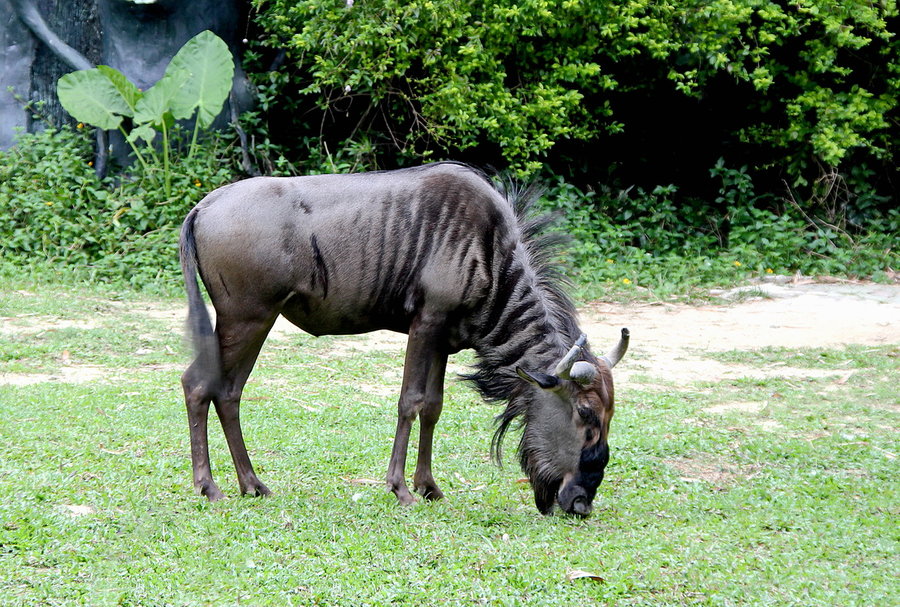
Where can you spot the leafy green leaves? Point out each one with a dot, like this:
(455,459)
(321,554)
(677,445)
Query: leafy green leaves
(93,98)
(209,66)
(197,80)
(520,77)
(128,92)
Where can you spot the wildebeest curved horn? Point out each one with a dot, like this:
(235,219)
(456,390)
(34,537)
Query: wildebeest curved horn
(616,354)
(565,364)
(582,372)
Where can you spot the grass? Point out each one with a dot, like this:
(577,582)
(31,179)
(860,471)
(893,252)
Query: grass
(793,502)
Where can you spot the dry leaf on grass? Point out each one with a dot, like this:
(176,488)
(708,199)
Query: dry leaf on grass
(78,509)
(578,574)
(365,481)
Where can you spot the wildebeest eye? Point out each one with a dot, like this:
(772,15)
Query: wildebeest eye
(588,416)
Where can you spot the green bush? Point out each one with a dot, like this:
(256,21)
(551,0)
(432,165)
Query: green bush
(801,85)
(638,238)
(55,211)
(616,97)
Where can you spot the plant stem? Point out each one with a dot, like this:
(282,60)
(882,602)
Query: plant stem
(165,134)
(194,136)
(137,152)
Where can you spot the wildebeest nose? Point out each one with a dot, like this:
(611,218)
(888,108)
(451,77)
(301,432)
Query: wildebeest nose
(581,506)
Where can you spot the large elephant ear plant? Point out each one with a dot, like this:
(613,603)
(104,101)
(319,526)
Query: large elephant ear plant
(195,85)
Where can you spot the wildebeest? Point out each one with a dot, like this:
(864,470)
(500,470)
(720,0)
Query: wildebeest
(436,252)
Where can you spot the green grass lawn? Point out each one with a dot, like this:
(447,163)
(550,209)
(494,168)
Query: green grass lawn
(794,502)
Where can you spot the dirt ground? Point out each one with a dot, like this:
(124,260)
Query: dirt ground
(669,342)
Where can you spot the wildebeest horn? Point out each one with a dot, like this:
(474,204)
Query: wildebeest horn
(562,369)
(616,354)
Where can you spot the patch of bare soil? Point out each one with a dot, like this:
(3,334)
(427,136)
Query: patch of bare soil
(669,341)
(711,469)
(71,374)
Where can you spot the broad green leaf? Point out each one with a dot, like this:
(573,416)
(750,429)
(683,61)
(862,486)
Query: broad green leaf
(157,100)
(145,132)
(90,97)
(208,60)
(129,92)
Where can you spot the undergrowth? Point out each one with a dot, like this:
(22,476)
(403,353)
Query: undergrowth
(634,241)
(59,221)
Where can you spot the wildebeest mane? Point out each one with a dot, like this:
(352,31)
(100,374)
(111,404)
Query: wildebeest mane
(494,376)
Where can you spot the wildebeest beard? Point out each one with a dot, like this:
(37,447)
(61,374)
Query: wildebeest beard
(546,482)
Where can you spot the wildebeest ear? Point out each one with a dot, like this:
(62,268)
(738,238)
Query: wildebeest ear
(542,380)
(583,373)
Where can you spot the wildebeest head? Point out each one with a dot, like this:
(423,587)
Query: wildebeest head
(567,413)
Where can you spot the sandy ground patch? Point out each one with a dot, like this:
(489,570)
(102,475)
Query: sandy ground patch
(668,341)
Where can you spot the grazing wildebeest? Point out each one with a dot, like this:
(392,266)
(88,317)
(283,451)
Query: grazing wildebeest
(436,252)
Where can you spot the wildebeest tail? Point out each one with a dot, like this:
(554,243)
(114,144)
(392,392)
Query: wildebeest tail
(203,337)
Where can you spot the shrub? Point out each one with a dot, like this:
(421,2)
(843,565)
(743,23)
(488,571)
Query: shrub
(794,86)
(638,238)
(54,210)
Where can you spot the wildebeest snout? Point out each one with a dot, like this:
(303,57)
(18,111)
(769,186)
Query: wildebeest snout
(573,499)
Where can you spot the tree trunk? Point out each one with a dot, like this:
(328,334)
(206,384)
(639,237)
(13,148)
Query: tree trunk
(77,23)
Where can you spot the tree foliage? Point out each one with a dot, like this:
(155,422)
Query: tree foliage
(810,83)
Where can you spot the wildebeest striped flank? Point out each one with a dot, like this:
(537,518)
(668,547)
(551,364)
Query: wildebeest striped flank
(437,252)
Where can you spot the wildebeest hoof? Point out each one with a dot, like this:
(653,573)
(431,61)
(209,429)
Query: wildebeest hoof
(256,490)
(407,500)
(211,491)
(430,492)
(404,496)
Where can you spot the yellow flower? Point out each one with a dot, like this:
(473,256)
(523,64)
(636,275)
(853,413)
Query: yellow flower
(80,125)
(197,183)
(626,281)
(770,271)
(609,261)
(737,264)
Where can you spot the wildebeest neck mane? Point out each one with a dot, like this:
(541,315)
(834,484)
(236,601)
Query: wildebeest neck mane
(536,319)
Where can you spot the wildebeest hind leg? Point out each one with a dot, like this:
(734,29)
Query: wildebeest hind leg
(423,480)
(240,342)
(197,395)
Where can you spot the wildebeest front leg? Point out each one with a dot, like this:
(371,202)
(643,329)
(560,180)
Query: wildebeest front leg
(421,357)
(423,481)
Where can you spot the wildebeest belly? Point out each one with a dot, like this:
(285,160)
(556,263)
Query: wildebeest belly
(334,316)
